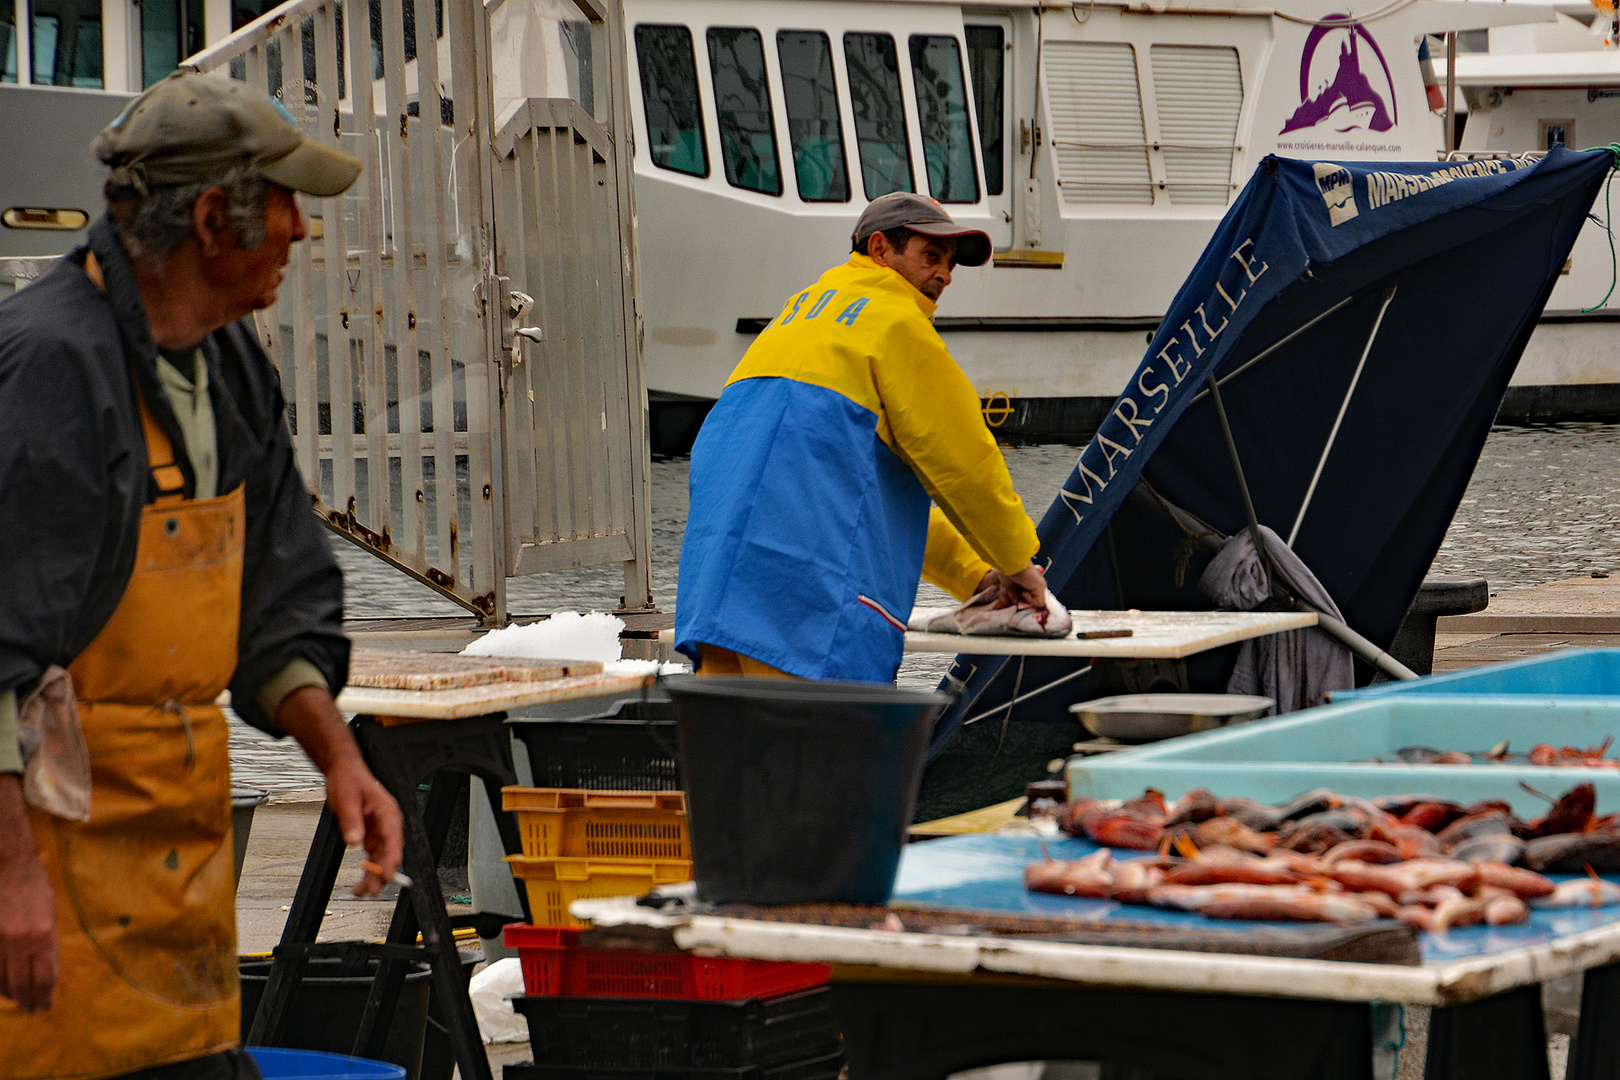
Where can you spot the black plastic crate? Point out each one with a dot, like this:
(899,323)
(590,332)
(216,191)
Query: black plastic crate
(824,1067)
(634,748)
(647,1033)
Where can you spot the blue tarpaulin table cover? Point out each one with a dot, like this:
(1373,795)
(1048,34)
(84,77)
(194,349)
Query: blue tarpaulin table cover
(986,874)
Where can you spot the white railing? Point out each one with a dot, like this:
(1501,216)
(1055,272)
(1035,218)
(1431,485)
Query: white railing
(392,329)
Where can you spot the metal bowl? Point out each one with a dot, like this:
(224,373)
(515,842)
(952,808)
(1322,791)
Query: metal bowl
(1138,718)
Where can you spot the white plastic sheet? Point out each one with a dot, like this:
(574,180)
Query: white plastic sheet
(491,991)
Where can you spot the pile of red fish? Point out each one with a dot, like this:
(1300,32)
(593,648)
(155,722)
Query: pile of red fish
(1325,857)
(1544,754)
(1574,756)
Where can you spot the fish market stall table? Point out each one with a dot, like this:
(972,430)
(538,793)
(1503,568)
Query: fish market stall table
(1146,634)
(1124,635)
(420,723)
(972,970)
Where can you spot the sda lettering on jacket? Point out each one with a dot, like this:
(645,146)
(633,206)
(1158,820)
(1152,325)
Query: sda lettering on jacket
(850,312)
(1127,425)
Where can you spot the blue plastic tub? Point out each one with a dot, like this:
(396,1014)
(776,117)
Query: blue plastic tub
(278,1064)
(1568,673)
(1274,760)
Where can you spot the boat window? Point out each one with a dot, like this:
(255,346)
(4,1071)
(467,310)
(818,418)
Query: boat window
(1098,138)
(880,113)
(1200,94)
(66,42)
(670,93)
(579,61)
(987,67)
(406,17)
(810,92)
(1554,133)
(942,114)
(8,43)
(742,105)
(171,30)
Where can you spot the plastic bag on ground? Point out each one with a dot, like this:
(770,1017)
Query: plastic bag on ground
(490,991)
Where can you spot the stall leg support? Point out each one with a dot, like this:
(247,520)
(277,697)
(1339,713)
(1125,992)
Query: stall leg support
(402,757)
(1501,1036)
(926,1031)
(1594,1053)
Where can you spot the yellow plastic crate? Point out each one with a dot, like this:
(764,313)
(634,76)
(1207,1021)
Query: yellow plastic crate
(575,824)
(553,884)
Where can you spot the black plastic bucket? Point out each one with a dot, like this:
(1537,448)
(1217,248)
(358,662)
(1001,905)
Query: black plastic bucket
(244,801)
(329,1002)
(798,791)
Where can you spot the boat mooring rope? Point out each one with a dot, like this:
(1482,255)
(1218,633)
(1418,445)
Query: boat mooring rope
(1608,226)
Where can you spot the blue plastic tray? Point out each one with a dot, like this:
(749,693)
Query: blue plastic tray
(1568,673)
(1274,760)
(986,873)
(278,1064)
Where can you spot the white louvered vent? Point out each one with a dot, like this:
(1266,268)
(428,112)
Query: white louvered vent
(1097,133)
(1200,93)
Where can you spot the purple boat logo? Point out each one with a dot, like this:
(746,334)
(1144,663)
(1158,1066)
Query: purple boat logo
(1344,82)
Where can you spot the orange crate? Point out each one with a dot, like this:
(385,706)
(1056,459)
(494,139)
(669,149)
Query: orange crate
(554,963)
(572,823)
(553,884)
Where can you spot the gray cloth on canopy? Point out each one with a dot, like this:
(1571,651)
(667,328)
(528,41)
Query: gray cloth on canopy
(1296,668)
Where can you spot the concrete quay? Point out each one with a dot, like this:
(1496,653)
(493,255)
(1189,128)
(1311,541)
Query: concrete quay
(1581,612)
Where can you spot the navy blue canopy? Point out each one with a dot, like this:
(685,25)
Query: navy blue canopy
(1359,454)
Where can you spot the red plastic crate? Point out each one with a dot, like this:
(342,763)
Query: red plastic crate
(554,963)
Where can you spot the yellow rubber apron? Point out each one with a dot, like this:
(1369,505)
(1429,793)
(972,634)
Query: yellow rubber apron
(145,901)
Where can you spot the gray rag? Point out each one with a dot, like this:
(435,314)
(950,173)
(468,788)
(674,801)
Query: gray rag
(1296,668)
(56,769)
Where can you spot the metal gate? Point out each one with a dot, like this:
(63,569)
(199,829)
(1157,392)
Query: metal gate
(570,421)
(393,331)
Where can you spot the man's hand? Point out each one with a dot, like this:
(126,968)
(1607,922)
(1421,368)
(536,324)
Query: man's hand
(1028,586)
(28,947)
(366,813)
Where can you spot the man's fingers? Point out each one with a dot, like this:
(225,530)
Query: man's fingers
(45,963)
(7,988)
(345,804)
(28,976)
(384,837)
(385,834)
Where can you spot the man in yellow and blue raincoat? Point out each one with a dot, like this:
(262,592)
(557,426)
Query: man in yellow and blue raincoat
(845,458)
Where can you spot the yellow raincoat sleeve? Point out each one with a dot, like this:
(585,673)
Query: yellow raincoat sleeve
(949,561)
(931,418)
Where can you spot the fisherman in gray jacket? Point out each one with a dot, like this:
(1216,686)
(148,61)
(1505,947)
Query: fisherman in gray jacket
(157,546)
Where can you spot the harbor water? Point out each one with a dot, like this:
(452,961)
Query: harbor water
(1543,505)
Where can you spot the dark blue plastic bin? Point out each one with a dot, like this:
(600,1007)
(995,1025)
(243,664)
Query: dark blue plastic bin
(278,1064)
(1568,673)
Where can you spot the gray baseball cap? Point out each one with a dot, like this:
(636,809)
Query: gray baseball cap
(192,128)
(924,216)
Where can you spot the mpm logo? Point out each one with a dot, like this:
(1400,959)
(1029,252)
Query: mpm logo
(1334,183)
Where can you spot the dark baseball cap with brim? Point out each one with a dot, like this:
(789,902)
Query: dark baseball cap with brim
(195,128)
(924,216)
